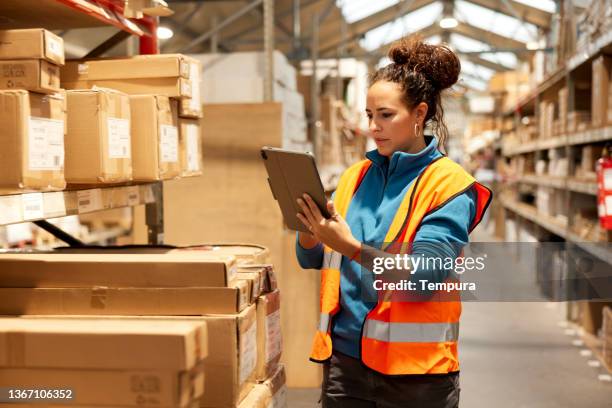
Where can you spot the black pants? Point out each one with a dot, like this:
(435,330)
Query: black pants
(347,383)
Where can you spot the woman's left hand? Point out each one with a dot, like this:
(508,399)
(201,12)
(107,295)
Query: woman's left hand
(333,232)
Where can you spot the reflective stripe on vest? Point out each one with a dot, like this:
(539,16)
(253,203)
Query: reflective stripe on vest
(325,323)
(411,332)
(332,260)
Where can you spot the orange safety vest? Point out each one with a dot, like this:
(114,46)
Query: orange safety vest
(402,337)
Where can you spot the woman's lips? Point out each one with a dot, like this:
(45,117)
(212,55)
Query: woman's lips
(380,141)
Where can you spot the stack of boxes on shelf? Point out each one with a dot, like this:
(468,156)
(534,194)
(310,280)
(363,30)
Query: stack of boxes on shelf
(119,119)
(593,22)
(215,306)
(239,78)
(601,95)
(607,336)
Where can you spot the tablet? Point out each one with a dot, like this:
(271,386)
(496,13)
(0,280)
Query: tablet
(291,174)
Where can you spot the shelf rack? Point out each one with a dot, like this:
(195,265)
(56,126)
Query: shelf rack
(37,207)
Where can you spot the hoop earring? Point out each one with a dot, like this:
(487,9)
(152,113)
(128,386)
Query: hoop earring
(416,129)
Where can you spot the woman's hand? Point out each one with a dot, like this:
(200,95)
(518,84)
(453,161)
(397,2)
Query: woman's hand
(333,232)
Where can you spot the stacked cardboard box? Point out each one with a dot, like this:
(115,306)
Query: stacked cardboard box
(602,71)
(106,363)
(577,121)
(607,336)
(32,112)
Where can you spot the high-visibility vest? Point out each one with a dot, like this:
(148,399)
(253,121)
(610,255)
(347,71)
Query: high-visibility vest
(402,337)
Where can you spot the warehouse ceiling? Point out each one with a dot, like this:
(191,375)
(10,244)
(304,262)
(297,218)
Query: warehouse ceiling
(490,35)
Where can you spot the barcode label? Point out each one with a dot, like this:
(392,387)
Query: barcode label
(45,144)
(119,138)
(89,200)
(55,47)
(32,205)
(133,196)
(193,150)
(54,204)
(168,144)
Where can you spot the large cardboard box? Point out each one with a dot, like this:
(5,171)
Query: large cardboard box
(31,75)
(116,270)
(269,337)
(277,387)
(149,388)
(155,138)
(190,147)
(124,301)
(164,74)
(32,146)
(34,43)
(98,141)
(98,344)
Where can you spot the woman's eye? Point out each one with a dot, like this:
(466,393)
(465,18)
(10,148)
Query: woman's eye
(387,115)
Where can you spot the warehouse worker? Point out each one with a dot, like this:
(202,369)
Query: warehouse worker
(383,353)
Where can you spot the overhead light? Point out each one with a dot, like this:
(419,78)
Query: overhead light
(164,33)
(533,45)
(448,22)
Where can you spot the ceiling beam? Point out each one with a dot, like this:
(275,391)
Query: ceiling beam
(529,14)
(489,37)
(358,28)
(483,62)
(381,51)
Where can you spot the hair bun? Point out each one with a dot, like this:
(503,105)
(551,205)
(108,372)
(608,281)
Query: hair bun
(438,63)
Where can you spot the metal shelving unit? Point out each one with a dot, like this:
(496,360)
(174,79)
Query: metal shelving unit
(37,207)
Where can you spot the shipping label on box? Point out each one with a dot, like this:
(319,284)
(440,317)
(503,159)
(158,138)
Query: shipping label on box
(269,334)
(32,75)
(46,143)
(119,142)
(192,107)
(35,43)
(168,144)
(190,147)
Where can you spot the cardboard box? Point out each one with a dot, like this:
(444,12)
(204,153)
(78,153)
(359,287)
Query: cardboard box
(602,70)
(255,282)
(192,107)
(102,344)
(153,388)
(277,388)
(34,43)
(32,146)
(190,147)
(64,270)
(31,75)
(259,397)
(98,141)
(155,138)
(170,87)
(269,337)
(124,301)
(246,254)
(268,276)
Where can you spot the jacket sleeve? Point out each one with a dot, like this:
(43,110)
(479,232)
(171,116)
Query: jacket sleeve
(443,234)
(309,258)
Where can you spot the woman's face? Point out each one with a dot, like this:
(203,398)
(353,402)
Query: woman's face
(391,123)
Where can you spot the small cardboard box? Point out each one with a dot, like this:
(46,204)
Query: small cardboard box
(278,389)
(192,107)
(31,75)
(32,146)
(113,387)
(258,397)
(269,337)
(155,138)
(124,301)
(162,74)
(98,141)
(78,270)
(255,283)
(34,43)
(102,344)
(190,147)
(246,254)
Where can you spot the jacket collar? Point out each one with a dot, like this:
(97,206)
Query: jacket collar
(400,162)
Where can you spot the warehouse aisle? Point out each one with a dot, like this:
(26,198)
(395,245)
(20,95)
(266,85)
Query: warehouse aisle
(515,355)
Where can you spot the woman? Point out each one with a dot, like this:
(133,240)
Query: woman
(392,353)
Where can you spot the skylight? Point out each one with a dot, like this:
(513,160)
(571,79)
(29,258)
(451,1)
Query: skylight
(354,10)
(495,22)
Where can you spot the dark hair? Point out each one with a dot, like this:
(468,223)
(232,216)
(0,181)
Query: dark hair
(423,71)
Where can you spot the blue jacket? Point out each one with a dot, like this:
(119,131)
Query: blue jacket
(369,217)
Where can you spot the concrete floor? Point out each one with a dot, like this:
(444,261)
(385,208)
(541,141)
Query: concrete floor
(515,355)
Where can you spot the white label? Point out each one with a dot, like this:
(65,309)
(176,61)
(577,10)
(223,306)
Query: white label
(609,205)
(89,200)
(10,209)
(54,204)
(46,144)
(168,143)
(83,69)
(186,88)
(279,400)
(273,336)
(231,273)
(193,156)
(133,195)
(194,75)
(119,138)
(248,353)
(55,47)
(607,179)
(32,206)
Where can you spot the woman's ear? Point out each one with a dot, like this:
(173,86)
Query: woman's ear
(421,112)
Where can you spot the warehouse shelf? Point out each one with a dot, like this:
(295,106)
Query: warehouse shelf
(68,14)
(587,52)
(28,207)
(544,180)
(581,186)
(530,213)
(591,136)
(536,145)
(597,249)
(551,79)
(594,344)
